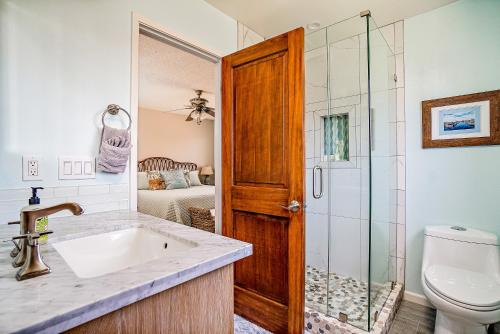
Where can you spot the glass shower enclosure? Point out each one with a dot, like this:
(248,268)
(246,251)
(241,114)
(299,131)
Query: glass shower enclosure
(350,131)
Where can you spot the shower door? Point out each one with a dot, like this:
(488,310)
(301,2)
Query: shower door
(345,129)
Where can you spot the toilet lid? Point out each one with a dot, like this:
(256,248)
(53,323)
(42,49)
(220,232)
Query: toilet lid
(471,289)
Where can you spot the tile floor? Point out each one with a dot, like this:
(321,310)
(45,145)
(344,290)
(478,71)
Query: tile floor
(243,326)
(345,294)
(413,318)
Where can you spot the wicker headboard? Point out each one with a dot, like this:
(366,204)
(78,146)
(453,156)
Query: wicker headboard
(160,163)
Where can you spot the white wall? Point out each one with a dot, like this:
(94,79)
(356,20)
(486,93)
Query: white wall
(63,61)
(450,51)
(163,134)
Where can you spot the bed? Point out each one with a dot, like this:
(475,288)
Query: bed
(173,204)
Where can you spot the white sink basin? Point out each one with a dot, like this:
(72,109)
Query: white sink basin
(105,253)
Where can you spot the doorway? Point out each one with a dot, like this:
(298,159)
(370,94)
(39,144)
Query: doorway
(172,80)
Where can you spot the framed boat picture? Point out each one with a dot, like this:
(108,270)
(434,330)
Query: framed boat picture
(466,120)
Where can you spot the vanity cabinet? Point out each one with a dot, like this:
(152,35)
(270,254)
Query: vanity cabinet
(202,305)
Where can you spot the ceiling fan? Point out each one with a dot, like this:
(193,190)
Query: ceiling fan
(199,108)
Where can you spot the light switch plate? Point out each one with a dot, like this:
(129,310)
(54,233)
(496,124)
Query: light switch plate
(32,168)
(76,167)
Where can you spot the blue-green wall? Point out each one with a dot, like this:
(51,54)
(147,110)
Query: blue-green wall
(449,51)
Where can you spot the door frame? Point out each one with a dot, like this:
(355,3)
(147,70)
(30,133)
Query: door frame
(174,38)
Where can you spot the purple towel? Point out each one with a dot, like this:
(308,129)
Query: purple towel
(114,151)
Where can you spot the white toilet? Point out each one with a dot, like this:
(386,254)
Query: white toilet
(461,278)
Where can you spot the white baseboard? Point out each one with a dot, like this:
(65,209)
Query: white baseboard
(417,298)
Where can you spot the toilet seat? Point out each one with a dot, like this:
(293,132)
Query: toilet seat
(465,288)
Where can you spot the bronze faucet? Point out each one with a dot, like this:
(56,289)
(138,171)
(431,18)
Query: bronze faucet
(28,245)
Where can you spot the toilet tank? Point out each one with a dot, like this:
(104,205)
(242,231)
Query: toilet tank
(462,248)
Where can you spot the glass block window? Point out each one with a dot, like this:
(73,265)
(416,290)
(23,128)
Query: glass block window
(336,137)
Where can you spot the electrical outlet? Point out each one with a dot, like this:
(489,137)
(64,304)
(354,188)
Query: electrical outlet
(32,168)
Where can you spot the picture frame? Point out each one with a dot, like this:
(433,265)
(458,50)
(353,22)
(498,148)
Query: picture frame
(465,120)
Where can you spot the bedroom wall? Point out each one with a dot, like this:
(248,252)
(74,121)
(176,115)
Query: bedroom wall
(162,134)
(61,63)
(449,51)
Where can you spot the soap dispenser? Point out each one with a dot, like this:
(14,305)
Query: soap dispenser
(42,224)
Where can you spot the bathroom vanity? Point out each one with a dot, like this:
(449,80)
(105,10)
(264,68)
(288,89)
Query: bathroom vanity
(123,272)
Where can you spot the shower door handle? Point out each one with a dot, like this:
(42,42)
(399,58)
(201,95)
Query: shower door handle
(316,169)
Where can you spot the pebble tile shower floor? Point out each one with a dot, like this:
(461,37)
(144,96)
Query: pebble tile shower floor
(345,294)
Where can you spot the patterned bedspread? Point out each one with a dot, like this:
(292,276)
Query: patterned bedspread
(173,204)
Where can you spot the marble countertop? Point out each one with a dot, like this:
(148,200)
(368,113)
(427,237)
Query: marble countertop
(61,300)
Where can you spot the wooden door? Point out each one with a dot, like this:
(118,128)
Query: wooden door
(263,172)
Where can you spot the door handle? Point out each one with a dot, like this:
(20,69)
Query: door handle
(320,169)
(294,206)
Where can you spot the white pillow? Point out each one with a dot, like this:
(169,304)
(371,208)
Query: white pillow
(194,179)
(142,181)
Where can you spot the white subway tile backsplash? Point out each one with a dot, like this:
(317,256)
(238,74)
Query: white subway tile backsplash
(65,191)
(6,206)
(118,188)
(93,190)
(93,198)
(15,194)
(101,207)
(124,204)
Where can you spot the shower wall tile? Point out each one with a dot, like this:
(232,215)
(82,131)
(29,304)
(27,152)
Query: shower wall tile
(344,68)
(388,33)
(401,200)
(392,268)
(400,98)
(393,106)
(309,121)
(400,270)
(401,139)
(398,37)
(364,248)
(316,75)
(315,40)
(401,214)
(392,239)
(400,249)
(401,172)
(346,192)
(400,72)
(349,196)
(317,240)
(345,236)
(247,37)
(346,101)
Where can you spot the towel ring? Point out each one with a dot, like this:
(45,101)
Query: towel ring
(114,109)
